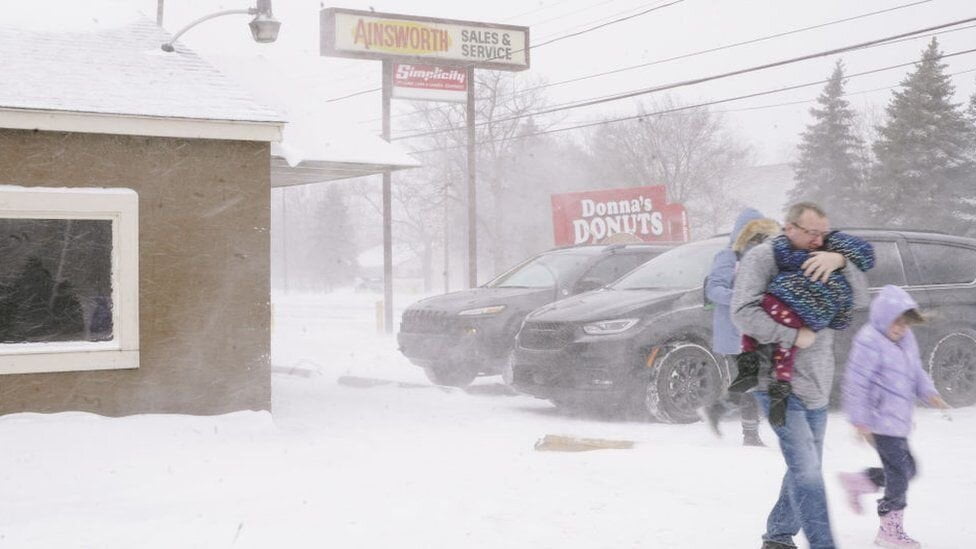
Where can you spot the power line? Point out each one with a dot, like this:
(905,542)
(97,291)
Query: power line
(698,105)
(703,79)
(862,92)
(578,101)
(702,52)
(607,24)
(726,46)
(545,7)
(534,46)
(581,10)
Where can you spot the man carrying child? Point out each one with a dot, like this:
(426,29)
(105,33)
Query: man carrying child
(802,502)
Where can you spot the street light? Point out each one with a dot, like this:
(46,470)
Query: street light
(264,27)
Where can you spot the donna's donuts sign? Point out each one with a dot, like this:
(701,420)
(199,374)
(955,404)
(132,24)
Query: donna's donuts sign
(592,217)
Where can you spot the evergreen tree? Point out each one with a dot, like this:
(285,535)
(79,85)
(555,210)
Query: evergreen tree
(925,170)
(830,170)
(971,112)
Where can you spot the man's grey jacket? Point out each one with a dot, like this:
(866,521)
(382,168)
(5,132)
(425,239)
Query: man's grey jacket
(813,369)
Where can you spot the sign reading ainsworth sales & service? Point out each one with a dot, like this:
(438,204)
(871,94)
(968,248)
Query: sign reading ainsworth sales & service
(372,35)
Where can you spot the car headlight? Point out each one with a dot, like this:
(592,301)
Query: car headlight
(481,311)
(608,327)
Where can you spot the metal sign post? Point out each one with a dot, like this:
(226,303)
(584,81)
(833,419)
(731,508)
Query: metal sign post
(394,38)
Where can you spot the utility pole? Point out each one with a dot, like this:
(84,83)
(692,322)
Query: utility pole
(447,232)
(472,189)
(284,238)
(387,206)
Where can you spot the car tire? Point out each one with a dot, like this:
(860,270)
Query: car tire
(685,378)
(952,366)
(450,374)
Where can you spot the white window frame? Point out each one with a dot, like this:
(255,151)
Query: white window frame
(121,207)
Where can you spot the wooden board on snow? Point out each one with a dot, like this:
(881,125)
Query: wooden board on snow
(560,443)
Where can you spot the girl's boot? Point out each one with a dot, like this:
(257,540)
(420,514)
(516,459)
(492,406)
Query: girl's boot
(892,532)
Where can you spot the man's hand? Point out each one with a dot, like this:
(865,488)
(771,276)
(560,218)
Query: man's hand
(820,265)
(937,402)
(804,338)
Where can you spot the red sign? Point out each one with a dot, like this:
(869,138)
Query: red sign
(593,217)
(430,82)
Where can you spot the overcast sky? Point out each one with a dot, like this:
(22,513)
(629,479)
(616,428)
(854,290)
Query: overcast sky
(689,26)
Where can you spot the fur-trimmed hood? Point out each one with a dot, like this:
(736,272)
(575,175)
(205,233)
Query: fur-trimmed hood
(763,226)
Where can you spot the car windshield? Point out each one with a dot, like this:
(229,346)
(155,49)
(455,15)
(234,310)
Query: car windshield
(683,267)
(542,271)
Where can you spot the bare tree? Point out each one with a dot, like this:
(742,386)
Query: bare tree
(503,104)
(689,150)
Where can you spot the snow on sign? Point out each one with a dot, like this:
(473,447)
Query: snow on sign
(592,217)
(430,83)
(407,38)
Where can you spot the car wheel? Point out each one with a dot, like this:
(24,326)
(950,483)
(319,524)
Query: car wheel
(952,366)
(685,378)
(450,374)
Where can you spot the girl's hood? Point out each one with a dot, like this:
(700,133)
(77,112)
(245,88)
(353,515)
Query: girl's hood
(888,306)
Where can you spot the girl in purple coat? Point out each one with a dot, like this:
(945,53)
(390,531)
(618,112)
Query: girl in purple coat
(883,380)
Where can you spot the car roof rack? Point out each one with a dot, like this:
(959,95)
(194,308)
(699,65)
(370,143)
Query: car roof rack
(885,229)
(896,230)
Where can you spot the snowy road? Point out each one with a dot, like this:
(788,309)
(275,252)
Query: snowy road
(411,465)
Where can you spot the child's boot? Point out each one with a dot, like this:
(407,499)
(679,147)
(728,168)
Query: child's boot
(892,534)
(747,364)
(856,485)
(750,437)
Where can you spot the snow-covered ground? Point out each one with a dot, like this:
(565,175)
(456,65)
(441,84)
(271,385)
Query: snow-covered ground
(410,465)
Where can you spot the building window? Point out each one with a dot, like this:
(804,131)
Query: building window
(69,279)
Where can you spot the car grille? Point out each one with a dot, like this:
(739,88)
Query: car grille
(545,335)
(425,322)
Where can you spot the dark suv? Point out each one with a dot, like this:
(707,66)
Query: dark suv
(644,341)
(457,336)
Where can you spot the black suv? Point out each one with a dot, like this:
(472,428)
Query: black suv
(644,341)
(457,336)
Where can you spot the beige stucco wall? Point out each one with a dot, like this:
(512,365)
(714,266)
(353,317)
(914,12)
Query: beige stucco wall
(204,208)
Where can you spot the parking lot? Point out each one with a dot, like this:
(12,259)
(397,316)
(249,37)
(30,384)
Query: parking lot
(445,467)
(361,451)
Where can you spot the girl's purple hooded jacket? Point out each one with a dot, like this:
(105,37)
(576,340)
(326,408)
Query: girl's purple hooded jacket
(884,378)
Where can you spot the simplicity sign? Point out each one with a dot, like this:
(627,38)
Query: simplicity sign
(372,35)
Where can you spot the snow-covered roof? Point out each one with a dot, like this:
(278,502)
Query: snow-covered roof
(59,77)
(320,142)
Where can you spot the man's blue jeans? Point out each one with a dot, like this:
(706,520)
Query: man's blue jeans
(802,502)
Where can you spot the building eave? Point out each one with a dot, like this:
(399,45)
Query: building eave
(151,126)
(309,172)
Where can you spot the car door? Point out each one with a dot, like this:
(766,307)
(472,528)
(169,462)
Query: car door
(944,288)
(889,268)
